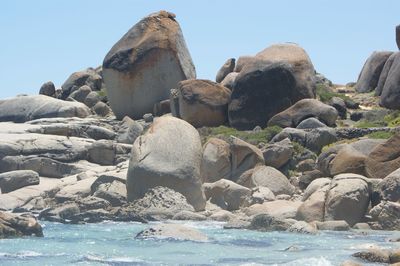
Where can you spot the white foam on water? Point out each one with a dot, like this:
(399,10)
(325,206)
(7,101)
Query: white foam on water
(309,262)
(94,258)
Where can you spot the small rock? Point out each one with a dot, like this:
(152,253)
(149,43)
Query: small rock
(174,231)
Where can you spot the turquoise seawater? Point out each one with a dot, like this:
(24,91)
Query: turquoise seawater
(112,243)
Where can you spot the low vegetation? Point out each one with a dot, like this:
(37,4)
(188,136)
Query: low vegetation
(380,135)
(325,94)
(254,137)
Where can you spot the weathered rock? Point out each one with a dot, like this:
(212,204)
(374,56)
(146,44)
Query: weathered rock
(160,202)
(113,192)
(76,190)
(12,225)
(299,60)
(203,102)
(390,97)
(282,209)
(78,79)
(102,109)
(269,177)
(339,225)
(340,105)
(226,194)
(162,108)
(384,158)
(216,160)
(227,68)
(369,76)
(348,160)
(266,222)
(374,255)
(229,80)
(390,186)
(145,64)
(347,199)
(188,215)
(306,165)
(129,131)
(361,226)
(308,176)
(310,123)
(313,206)
(14,180)
(260,91)
(303,228)
(302,110)
(398,36)
(260,195)
(62,214)
(26,108)
(81,93)
(107,152)
(387,214)
(384,74)
(48,89)
(92,99)
(244,156)
(278,153)
(174,231)
(156,161)
(243,61)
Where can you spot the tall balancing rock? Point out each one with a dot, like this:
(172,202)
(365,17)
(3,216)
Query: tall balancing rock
(142,67)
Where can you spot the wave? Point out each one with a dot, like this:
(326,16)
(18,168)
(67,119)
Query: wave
(308,262)
(28,254)
(115,261)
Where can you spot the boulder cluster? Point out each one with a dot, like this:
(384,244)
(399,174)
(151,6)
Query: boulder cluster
(268,146)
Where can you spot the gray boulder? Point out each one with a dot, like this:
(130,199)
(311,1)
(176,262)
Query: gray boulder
(387,214)
(310,123)
(129,131)
(48,89)
(26,108)
(226,194)
(390,186)
(77,79)
(226,68)
(398,36)
(203,102)
(229,80)
(14,180)
(278,154)
(269,177)
(384,74)
(390,97)
(369,76)
(91,99)
(142,67)
(302,110)
(348,198)
(80,94)
(156,161)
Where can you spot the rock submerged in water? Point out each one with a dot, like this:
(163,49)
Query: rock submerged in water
(172,231)
(142,67)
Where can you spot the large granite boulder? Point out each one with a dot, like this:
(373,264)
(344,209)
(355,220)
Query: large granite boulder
(369,76)
(387,214)
(390,97)
(260,91)
(302,110)
(169,155)
(384,74)
(14,180)
(12,225)
(348,198)
(26,108)
(384,158)
(203,102)
(301,64)
(142,67)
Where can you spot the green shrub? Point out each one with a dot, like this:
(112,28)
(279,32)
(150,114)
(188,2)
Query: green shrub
(369,124)
(380,135)
(325,94)
(102,93)
(253,137)
(393,119)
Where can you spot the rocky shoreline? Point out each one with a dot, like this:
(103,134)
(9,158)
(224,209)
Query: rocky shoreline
(270,146)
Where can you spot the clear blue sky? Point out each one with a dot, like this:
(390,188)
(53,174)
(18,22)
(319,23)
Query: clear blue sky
(44,40)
